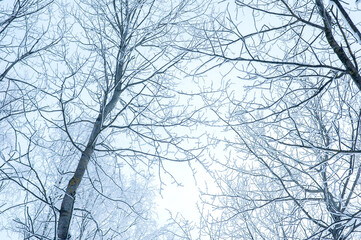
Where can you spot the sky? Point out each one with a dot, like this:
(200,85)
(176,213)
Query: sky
(183,199)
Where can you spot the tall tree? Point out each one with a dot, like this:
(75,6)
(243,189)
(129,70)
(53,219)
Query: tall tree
(294,164)
(128,41)
(103,103)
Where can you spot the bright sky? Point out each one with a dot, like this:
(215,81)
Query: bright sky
(183,199)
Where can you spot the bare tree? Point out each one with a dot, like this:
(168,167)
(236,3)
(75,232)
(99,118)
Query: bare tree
(294,166)
(95,116)
(293,176)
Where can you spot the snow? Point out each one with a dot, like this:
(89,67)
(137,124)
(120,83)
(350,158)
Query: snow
(354,33)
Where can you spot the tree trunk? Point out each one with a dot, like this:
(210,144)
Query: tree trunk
(69,197)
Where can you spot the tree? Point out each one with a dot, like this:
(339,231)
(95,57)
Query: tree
(293,167)
(103,103)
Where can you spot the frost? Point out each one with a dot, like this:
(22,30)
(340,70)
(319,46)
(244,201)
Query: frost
(355,32)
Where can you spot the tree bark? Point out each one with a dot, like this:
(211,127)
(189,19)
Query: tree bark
(340,52)
(67,204)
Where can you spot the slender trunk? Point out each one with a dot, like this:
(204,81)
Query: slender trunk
(67,205)
(66,210)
